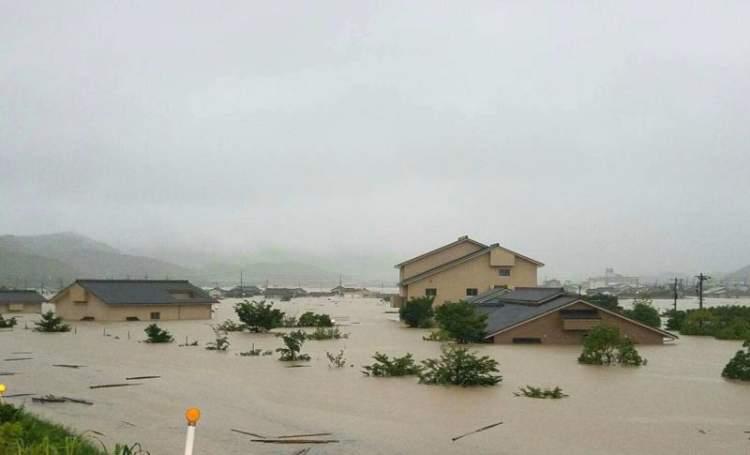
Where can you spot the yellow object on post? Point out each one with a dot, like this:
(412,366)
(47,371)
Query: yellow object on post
(2,391)
(192,415)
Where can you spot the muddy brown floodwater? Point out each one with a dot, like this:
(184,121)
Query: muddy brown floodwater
(678,404)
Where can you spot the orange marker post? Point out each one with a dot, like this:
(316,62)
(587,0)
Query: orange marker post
(192,415)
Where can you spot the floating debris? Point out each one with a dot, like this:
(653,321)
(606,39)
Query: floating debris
(302,452)
(476,431)
(134,378)
(65,365)
(298,366)
(296,441)
(106,386)
(21,353)
(127,423)
(249,433)
(8,373)
(56,399)
(18,395)
(18,358)
(303,435)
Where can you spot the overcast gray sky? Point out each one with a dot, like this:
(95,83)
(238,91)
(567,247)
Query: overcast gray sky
(584,134)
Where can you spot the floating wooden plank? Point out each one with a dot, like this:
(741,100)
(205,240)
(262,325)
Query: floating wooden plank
(308,435)
(298,366)
(255,435)
(303,451)
(65,365)
(21,353)
(7,374)
(296,441)
(134,378)
(18,395)
(106,386)
(18,358)
(56,399)
(476,431)
(127,423)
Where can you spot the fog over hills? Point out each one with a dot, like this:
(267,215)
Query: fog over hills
(52,259)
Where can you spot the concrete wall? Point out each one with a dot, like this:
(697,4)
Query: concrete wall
(477,273)
(27,308)
(550,330)
(75,310)
(439,258)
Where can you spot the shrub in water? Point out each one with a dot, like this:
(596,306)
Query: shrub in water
(604,345)
(322,333)
(221,342)
(739,366)
(293,342)
(461,321)
(386,367)
(417,312)
(156,334)
(337,360)
(51,323)
(310,319)
(538,392)
(458,366)
(7,323)
(231,326)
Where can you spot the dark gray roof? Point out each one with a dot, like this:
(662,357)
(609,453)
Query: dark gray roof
(531,296)
(501,315)
(20,296)
(145,292)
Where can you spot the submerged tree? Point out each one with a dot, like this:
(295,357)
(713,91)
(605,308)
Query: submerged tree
(51,323)
(156,334)
(643,311)
(417,312)
(387,367)
(459,366)
(259,316)
(608,302)
(293,342)
(739,366)
(537,392)
(604,345)
(461,321)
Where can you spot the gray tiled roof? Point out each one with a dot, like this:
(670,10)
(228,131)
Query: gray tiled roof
(531,296)
(20,296)
(145,292)
(501,315)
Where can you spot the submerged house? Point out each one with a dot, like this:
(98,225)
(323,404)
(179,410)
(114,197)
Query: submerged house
(133,300)
(463,269)
(552,316)
(243,291)
(20,301)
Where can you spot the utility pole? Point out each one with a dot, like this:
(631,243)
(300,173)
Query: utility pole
(699,288)
(242,286)
(674,288)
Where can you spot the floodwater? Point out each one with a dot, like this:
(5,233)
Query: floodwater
(677,404)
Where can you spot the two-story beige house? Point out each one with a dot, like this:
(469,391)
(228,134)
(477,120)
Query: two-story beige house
(462,269)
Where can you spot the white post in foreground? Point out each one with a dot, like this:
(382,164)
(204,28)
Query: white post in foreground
(2,391)
(192,415)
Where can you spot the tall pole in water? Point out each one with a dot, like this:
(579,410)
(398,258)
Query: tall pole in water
(701,278)
(192,416)
(242,287)
(674,288)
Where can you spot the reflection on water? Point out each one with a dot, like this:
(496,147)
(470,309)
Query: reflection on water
(678,404)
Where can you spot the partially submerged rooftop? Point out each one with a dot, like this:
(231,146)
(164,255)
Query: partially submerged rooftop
(20,296)
(145,292)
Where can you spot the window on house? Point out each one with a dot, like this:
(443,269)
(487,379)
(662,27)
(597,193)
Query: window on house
(471,292)
(503,272)
(155,315)
(527,340)
(430,292)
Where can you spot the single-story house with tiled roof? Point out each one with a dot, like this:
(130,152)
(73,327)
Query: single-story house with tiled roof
(552,316)
(133,300)
(20,301)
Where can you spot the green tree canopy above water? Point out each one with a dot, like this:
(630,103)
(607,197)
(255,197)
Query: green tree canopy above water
(461,321)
